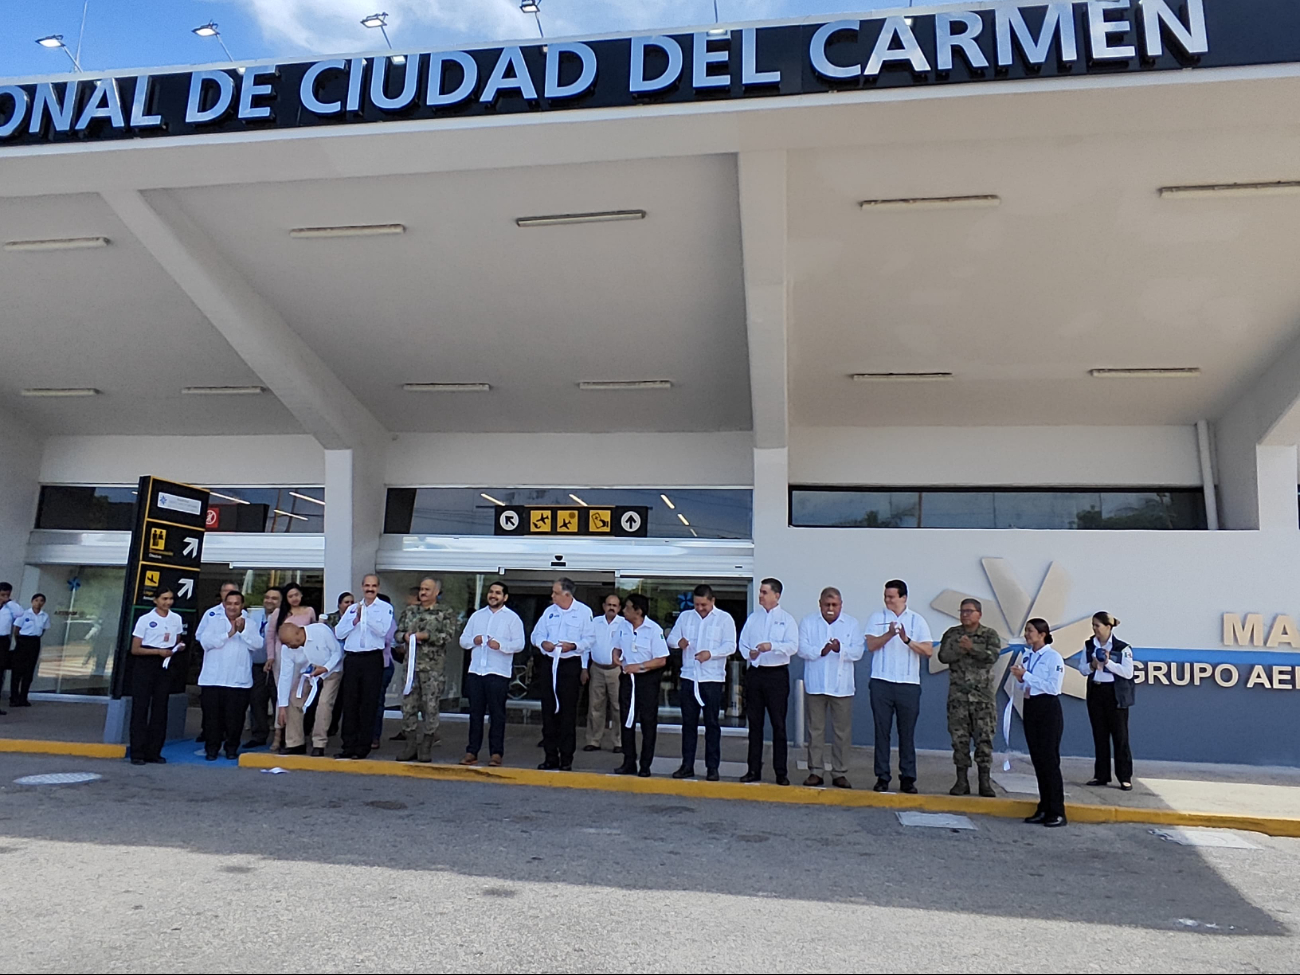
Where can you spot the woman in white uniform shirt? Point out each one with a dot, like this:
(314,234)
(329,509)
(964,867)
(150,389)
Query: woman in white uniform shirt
(154,640)
(1107,662)
(1040,673)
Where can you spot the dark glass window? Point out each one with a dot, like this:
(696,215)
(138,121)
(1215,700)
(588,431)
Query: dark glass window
(253,510)
(1170,509)
(674,512)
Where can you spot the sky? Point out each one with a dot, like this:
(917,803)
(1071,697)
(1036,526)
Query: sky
(148,33)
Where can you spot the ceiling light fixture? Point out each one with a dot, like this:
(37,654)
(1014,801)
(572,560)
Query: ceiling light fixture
(57,244)
(564,219)
(627,384)
(447,387)
(222,390)
(493,500)
(579,500)
(1285,187)
(896,377)
(307,497)
(359,230)
(668,501)
(1178,372)
(59,393)
(683,519)
(933,203)
(290,514)
(227,497)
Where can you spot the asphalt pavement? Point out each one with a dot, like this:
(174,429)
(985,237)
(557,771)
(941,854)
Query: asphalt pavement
(206,869)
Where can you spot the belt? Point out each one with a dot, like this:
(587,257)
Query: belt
(605,666)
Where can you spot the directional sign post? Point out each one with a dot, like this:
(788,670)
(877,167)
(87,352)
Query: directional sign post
(166,553)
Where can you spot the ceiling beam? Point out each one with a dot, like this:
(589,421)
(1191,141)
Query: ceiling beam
(762,178)
(286,365)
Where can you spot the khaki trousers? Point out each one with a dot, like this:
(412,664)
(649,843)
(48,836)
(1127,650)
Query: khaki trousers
(329,692)
(602,700)
(841,709)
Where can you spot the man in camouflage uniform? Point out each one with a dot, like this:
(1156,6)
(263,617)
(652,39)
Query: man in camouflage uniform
(970,651)
(434,627)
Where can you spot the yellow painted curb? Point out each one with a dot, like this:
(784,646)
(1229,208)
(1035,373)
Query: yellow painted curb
(763,792)
(79,749)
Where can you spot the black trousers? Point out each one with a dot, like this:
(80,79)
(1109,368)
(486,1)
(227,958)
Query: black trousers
(711,691)
(767,693)
(487,695)
(150,688)
(1043,726)
(259,700)
(223,717)
(26,652)
(646,714)
(560,729)
(887,700)
(363,678)
(1109,724)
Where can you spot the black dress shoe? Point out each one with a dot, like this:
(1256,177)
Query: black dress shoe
(137,761)
(1037,817)
(1126,787)
(644,773)
(345,756)
(254,744)
(318,753)
(591,748)
(233,754)
(684,773)
(625,770)
(1055,821)
(711,775)
(908,786)
(1096,782)
(882,785)
(211,756)
(751,777)
(783,780)
(549,766)
(566,766)
(156,761)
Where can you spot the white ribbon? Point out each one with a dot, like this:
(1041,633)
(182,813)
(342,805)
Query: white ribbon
(555,677)
(695,685)
(631,706)
(1006,733)
(305,680)
(410,665)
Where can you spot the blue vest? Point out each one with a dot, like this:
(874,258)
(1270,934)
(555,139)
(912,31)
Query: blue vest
(1124,687)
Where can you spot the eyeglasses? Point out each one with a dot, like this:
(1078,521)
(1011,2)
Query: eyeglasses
(968,611)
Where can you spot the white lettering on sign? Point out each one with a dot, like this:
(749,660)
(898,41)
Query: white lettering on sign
(174,502)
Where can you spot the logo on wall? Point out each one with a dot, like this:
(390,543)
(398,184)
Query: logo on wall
(1008,612)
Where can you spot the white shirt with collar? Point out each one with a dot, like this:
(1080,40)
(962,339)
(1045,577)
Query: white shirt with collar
(609,635)
(774,626)
(832,674)
(645,643)
(363,628)
(506,628)
(896,662)
(160,632)
(1044,672)
(9,614)
(715,633)
(321,649)
(31,623)
(572,625)
(227,657)
(1106,675)
(215,618)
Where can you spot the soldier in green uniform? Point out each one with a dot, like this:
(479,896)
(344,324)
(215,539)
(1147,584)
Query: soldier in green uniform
(970,651)
(433,627)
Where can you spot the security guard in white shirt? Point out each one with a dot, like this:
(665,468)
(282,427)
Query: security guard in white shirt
(31,625)
(564,633)
(769,638)
(706,636)
(897,640)
(1040,673)
(10,610)
(1107,662)
(155,638)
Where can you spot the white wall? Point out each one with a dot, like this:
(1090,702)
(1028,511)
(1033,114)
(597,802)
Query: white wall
(571,460)
(958,456)
(209,461)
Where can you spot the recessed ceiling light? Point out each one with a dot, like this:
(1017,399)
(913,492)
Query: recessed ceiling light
(579,500)
(57,244)
(493,500)
(668,501)
(900,377)
(1289,187)
(447,387)
(290,514)
(559,219)
(630,384)
(1157,373)
(933,203)
(307,497)
(683,519)
(227,497)
(359,230)
(51,392)
(222,390)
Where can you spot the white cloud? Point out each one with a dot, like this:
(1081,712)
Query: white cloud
(334,25)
